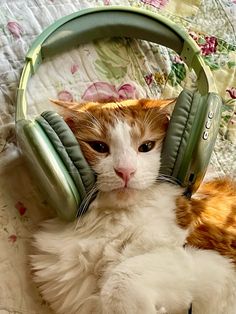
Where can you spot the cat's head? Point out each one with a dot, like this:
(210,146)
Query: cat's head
(122,141)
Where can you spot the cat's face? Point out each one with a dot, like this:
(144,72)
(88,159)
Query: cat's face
(121,141)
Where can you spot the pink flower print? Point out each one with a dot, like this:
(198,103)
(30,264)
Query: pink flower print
(15,29)
(106,2)
(232,92)
(149,79)
(127,91)
(232,121)
(65,96)
(101,92)
(106,92)
(74,68)
(156,3)
(209,46)
(177,59)
(21,208)
(12,238)
(193,35)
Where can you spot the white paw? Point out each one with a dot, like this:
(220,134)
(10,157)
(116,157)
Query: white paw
(161,310)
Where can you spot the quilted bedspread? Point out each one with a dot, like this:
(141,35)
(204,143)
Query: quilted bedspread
(107,69)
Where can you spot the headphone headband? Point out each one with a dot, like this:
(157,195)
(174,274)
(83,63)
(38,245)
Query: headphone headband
(50,146)
(114,21)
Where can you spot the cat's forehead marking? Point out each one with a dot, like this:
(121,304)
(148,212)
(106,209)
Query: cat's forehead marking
(125,128)
(119,134)
(133,122)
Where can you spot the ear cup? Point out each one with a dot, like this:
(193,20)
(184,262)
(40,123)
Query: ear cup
(191,137)
(69,150)
(177,133)
(177,137)
(49,171)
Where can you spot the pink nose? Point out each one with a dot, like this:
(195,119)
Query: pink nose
(124,173)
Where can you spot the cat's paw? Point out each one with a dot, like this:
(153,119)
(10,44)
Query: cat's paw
(161,310)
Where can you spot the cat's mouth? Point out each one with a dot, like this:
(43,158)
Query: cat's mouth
(124,192)
(123,189)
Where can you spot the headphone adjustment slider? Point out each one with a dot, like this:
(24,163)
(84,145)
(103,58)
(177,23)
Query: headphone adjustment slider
(35,59)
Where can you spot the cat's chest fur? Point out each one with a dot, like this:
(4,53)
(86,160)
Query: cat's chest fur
(128,229)
(108,234)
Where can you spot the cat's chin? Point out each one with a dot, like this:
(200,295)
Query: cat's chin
(119,197)
(124,193)
(116,198)
(124,190)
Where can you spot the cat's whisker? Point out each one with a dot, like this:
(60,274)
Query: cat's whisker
(104,172)
(146,117)
(97,122)
(86,201)
(167,178)
(148,122)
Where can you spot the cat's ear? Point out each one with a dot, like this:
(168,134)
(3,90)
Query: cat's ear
(157,103)
(166,105)
(69,111)
(67,105)
(73,107)
(158,113)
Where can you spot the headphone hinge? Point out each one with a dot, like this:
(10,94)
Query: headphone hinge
(189,55)
(35,59)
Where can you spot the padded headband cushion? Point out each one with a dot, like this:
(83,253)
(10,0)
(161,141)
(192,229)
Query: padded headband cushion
(68,149)
(178,132)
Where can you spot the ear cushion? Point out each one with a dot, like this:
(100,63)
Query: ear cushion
(68,149)
(177,136)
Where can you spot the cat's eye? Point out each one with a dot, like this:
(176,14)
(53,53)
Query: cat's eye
(146,146)
(99,147)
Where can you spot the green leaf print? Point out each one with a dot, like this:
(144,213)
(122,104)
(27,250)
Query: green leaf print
(224,47)
(231,64)
(211,62)
(113,58)
(177,74)
(108,71)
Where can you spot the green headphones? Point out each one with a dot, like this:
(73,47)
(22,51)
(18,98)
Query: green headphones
(50,146)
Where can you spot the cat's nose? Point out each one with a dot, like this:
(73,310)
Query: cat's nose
(125,173)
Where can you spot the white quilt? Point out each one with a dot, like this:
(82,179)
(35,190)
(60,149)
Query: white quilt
(107,69)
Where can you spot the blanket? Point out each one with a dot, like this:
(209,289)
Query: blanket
(111,68)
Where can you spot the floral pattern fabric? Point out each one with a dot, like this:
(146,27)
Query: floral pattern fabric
(106,70)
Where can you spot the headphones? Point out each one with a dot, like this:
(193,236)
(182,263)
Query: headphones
(51,148)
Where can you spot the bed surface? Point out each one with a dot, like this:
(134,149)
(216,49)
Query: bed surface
(118,69)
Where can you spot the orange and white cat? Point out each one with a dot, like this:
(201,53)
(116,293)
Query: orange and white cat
(127,254)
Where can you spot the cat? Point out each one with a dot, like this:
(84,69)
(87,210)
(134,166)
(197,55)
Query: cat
(142,247)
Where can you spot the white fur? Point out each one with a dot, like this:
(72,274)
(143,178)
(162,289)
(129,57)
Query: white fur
(123,153)
(126,255)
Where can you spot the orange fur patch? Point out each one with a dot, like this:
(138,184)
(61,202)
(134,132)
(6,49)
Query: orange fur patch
(184,215)
(213,217)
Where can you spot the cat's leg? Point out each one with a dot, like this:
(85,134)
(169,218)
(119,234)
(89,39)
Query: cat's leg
(162,310)
(215,288)
(123,294)
(158,282)
(63,287)
(62,269)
